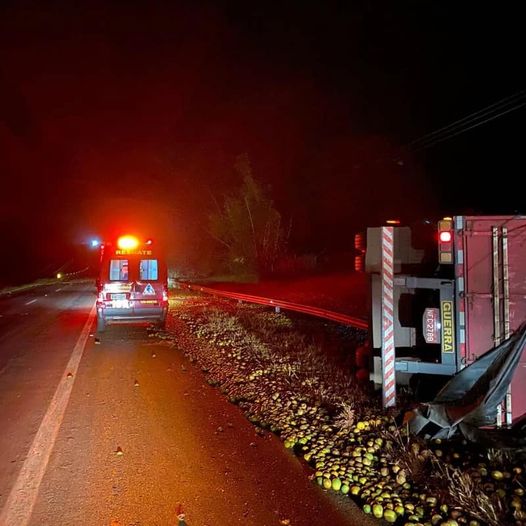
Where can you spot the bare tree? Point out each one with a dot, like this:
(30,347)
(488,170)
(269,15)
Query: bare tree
(248,226)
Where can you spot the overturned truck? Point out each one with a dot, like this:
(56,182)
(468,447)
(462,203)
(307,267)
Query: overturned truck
(457,320)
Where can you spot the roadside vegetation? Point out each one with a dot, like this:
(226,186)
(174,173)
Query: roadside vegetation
(247,227)
(28,286)
(286,382)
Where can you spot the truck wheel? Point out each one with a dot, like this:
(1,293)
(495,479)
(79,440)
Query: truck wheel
(101,323)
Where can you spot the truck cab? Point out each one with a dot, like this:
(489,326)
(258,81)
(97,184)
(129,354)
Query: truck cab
(132,283)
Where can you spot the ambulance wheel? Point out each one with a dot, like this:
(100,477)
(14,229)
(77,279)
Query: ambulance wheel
(161,324)
(101,324)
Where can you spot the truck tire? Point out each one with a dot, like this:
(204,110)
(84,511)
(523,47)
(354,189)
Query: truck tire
(101,323)
(362,356)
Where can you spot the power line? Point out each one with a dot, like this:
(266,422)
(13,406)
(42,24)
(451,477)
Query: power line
(463,124)
(511,99)
(463,129)
(471,121)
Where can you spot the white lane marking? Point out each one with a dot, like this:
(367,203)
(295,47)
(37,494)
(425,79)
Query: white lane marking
(19,505)
(58,290)
(29,302)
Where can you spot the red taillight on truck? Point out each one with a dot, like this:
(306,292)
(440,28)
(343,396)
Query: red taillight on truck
(445,241)
(445,237)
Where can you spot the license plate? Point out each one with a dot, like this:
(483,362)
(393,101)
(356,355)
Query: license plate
(120,304)
(118,296)
(431,325)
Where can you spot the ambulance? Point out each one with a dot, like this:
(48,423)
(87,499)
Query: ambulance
(132,285)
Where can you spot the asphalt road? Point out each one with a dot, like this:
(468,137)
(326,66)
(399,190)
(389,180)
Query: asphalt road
(124,431)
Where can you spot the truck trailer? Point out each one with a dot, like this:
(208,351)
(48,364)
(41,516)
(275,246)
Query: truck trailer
(450,309)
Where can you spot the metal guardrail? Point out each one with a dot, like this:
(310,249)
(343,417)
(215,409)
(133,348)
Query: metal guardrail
(339,317)
(67,275)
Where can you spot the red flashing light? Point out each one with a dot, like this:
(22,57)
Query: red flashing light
(127,242)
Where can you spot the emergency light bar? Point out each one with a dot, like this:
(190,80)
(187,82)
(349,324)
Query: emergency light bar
(127,242)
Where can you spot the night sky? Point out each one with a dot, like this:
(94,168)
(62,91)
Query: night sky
(117,116)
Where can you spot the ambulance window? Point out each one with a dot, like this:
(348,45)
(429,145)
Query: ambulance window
(148,269)
(119,270)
